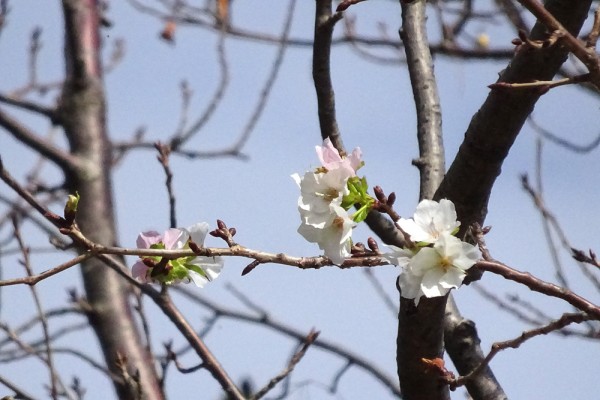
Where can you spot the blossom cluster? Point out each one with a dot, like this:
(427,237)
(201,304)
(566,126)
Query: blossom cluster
(326,195)
(199,270)
(439,260)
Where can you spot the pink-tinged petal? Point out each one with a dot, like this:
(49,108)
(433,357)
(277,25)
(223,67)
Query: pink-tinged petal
(174,239)
(355,159)
(140,271)
(328,154)
(147,239)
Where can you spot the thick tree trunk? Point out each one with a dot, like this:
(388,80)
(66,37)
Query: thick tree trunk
(82,113)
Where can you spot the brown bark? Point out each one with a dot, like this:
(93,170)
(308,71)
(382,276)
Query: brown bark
(489,137)
(82,113)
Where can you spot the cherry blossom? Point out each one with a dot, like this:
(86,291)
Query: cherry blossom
(333,235)
(430,221)
(197,269)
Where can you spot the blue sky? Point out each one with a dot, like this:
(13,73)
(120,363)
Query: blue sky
(258,197)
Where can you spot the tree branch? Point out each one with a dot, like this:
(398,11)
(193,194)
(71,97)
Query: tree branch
(46,149)
(83,117)
(493,129)
(420,332)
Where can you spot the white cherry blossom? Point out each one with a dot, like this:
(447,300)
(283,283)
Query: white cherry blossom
(433,271)
(431,220)
(334,235)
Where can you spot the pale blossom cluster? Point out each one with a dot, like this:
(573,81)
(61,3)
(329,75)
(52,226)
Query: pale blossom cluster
(199,270)
(439,260)
(325,219)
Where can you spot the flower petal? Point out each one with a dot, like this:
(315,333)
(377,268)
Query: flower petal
(197,278)
(140,271)
(147,239)
(328,154)
(453,278)
(430,285)
(427,258)
(398,256)
(174,239)
(198,232)
(410,286)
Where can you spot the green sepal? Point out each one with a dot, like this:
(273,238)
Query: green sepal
(176,272)
(358,196)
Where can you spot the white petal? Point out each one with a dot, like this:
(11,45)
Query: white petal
(426,259)
(310,233)
(453,278)
(198,232)
(398,256)
(410,286)
(198,279)
(211,265)
(416,233)
(431,283)
(445,218)
(462,255)
(297,179)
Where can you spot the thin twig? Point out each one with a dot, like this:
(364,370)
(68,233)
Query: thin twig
(564,143)
(40,311)
(179,139)
(564,320)
(585,54)
(540,286)
(310,339)
(264,319)
(163,157)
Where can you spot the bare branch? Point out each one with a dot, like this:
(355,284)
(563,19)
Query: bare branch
(264,319)
(19,392)
(61,158)
(325,20)
(558,324)
(564,143)
(163,157)
(310,339)
(38,305)
(587,55)
(540,286)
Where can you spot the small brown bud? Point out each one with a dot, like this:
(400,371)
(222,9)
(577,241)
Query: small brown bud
(372,244)
(379,194)
(391,199)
